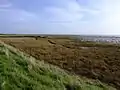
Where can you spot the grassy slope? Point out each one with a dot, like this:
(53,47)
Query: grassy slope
(18,72)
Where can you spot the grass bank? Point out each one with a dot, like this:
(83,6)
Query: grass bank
(22,72)
(89,59)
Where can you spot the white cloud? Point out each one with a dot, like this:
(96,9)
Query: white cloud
(4,10)
(18,15)
(73,7)
(111,17)
(5,4)
(92,11)
(73,12)
(62,15)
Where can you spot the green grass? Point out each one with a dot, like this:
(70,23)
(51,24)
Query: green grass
(19,71)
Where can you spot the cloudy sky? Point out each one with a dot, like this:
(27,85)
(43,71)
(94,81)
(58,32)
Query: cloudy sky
(60,16)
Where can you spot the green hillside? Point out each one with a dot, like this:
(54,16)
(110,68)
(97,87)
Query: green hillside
(19,71)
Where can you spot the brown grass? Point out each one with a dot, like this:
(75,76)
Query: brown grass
(93,60)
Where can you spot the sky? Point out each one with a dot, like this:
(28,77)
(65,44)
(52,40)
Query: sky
(84,17)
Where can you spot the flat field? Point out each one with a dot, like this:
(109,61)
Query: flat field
(92,60)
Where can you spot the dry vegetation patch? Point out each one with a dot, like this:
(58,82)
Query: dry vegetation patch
(93,60)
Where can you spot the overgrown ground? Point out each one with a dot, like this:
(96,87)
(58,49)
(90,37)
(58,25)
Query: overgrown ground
(92,60)
(21,72)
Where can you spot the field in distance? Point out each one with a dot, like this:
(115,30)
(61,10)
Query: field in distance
(97,61)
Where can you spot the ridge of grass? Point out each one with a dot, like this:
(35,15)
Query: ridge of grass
(19,71)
